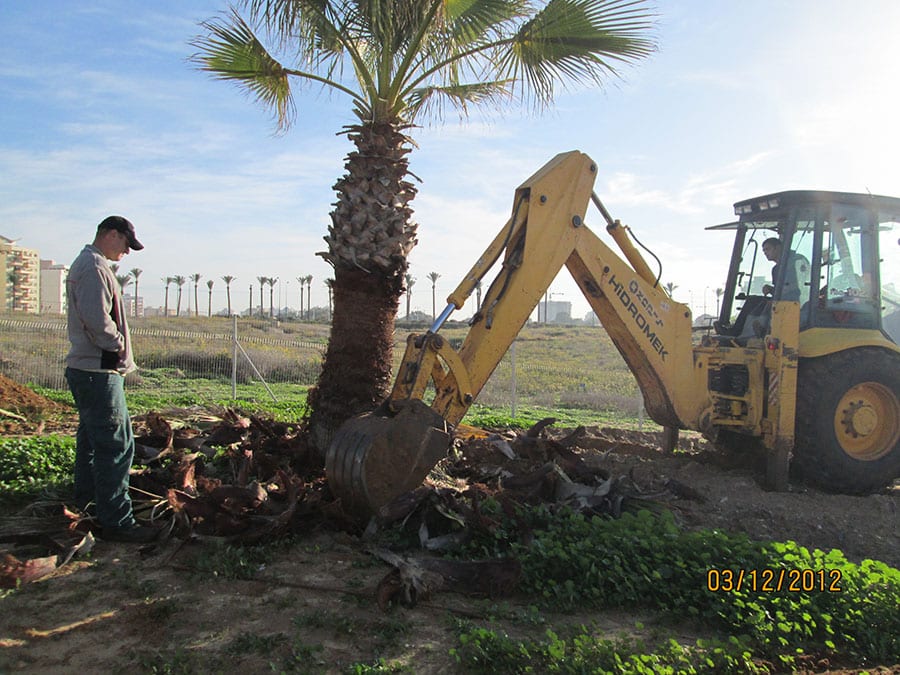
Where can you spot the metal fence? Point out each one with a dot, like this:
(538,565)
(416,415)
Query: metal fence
(201,361)
(206,361)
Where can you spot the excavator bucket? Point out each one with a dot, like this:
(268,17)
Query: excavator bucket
(378,456)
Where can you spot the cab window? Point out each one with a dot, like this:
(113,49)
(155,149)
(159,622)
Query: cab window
(846,295)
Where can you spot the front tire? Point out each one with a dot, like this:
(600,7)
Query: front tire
(848,420)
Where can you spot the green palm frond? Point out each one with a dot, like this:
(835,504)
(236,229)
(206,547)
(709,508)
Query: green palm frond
(398,59)
(430,101)
(576,40)
(468,21)
(231,51)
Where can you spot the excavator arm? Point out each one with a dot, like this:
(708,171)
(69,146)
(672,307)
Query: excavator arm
(378,456)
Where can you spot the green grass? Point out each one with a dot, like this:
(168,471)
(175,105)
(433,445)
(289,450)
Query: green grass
(289,404)
(565,370)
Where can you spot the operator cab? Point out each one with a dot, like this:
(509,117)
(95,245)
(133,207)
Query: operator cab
(837,254)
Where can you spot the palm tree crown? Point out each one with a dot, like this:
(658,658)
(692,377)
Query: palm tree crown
(401,60)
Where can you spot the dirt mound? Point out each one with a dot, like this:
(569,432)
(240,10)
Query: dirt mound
(24,411)
(18,398)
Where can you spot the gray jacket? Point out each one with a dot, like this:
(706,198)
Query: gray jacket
(98,328)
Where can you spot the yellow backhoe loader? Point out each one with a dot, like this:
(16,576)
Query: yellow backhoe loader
(807,371)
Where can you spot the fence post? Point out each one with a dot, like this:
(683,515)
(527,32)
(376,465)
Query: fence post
(512,361)
(234,353)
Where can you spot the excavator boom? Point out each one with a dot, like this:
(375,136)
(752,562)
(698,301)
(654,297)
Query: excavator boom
(394,447)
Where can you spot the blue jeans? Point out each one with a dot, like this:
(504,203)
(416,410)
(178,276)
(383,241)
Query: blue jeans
(104,445)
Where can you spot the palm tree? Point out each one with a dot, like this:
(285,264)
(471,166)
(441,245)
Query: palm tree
(250,312)
(168,281)
(301,280)
(398,62)
(410,282)
(308,297)
(670,288)
(262,282)
(329,283)
(433,276)
(136,273)
(719,293)
(124,280)
(209,285)
(272,281)
(228,279)
(179,281)
(196,279)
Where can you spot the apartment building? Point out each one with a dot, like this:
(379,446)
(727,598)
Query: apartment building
(20,287)
(53,287)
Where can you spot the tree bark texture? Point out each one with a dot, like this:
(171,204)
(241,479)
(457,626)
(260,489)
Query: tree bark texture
(369,239)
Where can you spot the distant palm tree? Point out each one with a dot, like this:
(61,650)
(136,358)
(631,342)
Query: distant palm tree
(434,276)
(168,281)
(179,281)
(209,285)
(262,282)
(302,281)
(329,283)
(308,300)
(124,280)
(196,279)
(136,273)
(250,312)
(272,281)
(719,293)
(670,288)
(228,279)
(114,267)
(410,282)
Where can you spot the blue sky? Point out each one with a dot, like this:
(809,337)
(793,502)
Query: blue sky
(101,113)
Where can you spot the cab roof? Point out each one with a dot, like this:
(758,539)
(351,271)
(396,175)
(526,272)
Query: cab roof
(772,207)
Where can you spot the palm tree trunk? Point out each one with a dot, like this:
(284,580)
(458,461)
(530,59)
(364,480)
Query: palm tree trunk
(369,240)
(357,372)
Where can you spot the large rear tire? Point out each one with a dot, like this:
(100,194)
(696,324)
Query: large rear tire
(848,420)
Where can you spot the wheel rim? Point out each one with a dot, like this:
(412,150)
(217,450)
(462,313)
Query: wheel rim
(867,421)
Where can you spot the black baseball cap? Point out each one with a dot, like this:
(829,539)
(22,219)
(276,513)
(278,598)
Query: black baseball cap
(124,226)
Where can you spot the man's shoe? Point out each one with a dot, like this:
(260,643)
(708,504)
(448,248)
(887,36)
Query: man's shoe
(130,534)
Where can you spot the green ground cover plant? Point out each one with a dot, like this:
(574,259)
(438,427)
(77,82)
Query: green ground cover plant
(571,561)
(34,466)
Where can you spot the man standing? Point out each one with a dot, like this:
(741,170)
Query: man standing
(99,358)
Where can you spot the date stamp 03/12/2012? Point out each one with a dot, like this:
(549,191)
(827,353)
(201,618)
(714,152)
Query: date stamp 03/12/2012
(773,580)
